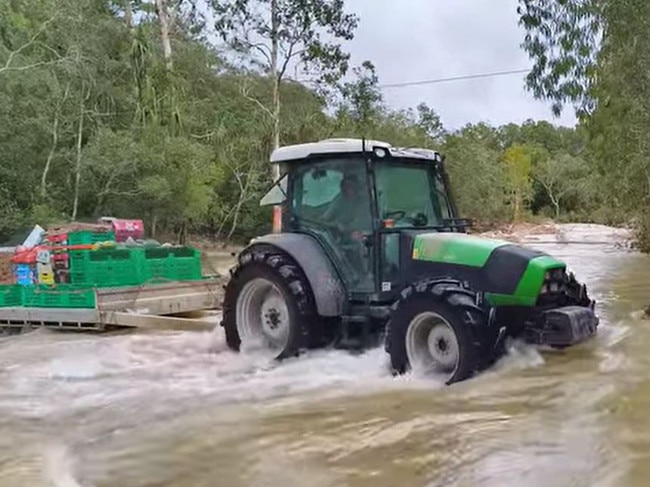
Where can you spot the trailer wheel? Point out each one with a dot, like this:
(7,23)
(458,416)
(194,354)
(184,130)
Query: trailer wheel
(438,328)
(269,305)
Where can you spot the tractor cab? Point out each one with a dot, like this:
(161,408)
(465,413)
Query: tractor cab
(360,199)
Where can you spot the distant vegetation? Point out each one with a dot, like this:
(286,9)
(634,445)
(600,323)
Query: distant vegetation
(129,108)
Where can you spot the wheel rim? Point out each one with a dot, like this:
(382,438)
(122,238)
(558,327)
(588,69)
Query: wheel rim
(262,316)
(432,345)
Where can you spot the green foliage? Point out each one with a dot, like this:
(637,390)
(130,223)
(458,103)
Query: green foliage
(87,95)
(562,38)
(477,178)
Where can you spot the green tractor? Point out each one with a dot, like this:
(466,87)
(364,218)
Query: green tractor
(370,251)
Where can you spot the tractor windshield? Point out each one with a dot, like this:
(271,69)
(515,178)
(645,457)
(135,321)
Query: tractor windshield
(411,194)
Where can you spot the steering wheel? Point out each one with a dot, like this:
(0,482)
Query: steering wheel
(418,219)
(397,215)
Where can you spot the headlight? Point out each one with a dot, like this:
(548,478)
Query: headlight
(553,280)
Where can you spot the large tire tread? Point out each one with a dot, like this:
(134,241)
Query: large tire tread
(461,308)
(271,263)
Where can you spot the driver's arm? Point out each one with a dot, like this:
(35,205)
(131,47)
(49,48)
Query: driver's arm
(333,210)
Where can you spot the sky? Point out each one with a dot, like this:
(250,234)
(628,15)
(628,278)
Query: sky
(412,40)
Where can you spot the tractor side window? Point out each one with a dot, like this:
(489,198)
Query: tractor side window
(320,187)
(331,199)
(314,190)
(443,198)
(334,193)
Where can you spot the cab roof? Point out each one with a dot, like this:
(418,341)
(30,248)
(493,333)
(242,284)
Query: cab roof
(348,146)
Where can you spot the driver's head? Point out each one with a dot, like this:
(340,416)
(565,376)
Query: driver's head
(349,186)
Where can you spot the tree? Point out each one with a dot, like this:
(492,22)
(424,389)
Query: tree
(518,165)
(362,99)
(429,122)
(477,178)
(560,176)
(563,39)
(274,34)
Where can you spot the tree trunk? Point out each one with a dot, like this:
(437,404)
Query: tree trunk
(55,141)
(163,20)
(77,175)
(128,14)
(50,156)
(154,221)
(273,71)
(517,206)
(556,204)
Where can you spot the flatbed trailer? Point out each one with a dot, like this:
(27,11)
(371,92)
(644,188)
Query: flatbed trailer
(148,306)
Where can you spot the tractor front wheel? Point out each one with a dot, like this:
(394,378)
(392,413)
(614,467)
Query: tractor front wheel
(438,329)
(268,305)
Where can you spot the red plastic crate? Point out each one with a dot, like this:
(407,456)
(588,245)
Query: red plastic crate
(60,238)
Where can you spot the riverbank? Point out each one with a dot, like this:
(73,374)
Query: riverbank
(562,233)
(218,258)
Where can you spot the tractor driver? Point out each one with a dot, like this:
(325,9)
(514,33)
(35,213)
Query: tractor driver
(350,210)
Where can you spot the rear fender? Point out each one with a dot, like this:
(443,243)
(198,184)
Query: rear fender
(328,289)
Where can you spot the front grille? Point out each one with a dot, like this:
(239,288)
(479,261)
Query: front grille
(555,284)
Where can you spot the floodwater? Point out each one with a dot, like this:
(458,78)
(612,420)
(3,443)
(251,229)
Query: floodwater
(179,409)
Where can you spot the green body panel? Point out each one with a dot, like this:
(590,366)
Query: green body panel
(467,250)
(530,284)
(454,248)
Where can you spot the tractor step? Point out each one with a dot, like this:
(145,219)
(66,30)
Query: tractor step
(355,333)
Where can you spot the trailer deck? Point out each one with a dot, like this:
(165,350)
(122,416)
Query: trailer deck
(147,306)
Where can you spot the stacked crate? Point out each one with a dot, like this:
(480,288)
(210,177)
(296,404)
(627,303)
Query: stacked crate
(172,263)
(47,296)
(106,267)
(24,267)
(11,295)
(79,266)
(61,255)
(134,266)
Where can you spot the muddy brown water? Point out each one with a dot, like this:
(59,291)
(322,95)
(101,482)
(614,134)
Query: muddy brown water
(179,409)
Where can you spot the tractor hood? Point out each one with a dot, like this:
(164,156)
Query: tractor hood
(509,274)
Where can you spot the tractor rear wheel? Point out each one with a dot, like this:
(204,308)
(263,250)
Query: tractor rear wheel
(269,305)
(438,328)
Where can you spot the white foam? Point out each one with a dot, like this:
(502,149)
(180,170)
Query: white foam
(59,468)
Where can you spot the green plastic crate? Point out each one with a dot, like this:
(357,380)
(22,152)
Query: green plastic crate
(11,295)
(106,267)
(87,237)
(59,296)
(172,263)
(186,269)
